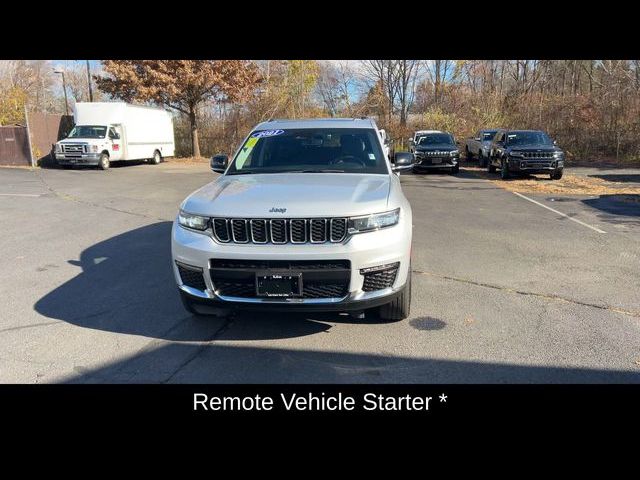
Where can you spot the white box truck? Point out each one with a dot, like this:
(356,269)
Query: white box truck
(111,131)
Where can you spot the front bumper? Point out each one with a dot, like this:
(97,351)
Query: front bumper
(365,250)
(524,165)
(428,163)
(352,303)
(75,159)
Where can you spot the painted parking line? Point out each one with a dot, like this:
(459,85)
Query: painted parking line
(560,213)
(20,195)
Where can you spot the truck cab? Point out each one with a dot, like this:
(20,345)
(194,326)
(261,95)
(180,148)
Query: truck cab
(478,146)
(91,145)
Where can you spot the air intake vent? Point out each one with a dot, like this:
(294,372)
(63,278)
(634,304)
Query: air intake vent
(318,230)
(221,229)
(298,228)
(258,231)
(379,278)
(239,230)
(278,231)
(191,276)
(338,229)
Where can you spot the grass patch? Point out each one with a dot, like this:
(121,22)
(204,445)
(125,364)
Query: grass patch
(568,185)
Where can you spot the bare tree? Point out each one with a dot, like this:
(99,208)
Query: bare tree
(405,79)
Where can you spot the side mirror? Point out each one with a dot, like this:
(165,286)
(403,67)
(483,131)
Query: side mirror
(219,163)
(403,161)
(555,142)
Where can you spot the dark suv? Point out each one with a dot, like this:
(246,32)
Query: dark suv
(436,150)
(523,152)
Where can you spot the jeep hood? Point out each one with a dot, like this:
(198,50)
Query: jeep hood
(535,146)
(301,194)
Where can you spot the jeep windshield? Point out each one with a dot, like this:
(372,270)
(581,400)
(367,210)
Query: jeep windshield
(310,150)
(436,139)
(528,138)
(88,131)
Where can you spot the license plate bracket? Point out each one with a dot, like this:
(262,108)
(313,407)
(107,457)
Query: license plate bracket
(274,284)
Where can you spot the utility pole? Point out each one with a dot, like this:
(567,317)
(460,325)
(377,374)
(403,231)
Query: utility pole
(89,79)
(26,120)
(64,87)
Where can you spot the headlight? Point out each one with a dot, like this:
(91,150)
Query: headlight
(558,154)
(196,222)
(516,154)
(94,148)
(376,221)
(58,148)
(453,153)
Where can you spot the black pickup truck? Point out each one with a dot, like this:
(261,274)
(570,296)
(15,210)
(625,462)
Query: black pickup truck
(516,152)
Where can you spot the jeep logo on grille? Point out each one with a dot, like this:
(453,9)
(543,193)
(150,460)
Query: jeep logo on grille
(277,210)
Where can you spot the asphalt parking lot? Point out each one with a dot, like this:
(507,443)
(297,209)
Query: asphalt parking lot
(508,288)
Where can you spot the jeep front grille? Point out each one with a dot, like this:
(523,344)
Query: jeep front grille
(279,231)
(434,153)
(537,154)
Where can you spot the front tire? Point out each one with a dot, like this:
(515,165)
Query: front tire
(482,161)
(104,163)
(556,175)
(504,169)
(490,166)
(468,154)
(157,158)
(454,170)
(400,307)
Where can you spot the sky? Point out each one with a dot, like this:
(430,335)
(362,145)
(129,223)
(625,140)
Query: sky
(94,66)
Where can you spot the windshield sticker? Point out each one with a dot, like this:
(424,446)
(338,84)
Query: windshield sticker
(246,150)
(267,133)
(372,156)
(511,136)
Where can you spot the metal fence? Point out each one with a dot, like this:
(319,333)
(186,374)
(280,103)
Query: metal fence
(46,129)
(14,146)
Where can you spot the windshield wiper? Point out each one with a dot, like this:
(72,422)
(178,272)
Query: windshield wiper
(240,172)
(327,170)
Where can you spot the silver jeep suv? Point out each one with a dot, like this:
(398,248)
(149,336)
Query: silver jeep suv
(308,215)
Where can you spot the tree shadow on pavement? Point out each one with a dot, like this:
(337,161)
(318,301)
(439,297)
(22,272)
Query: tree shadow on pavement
(127,286)
(619,177)
(246,363)
(617,209)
